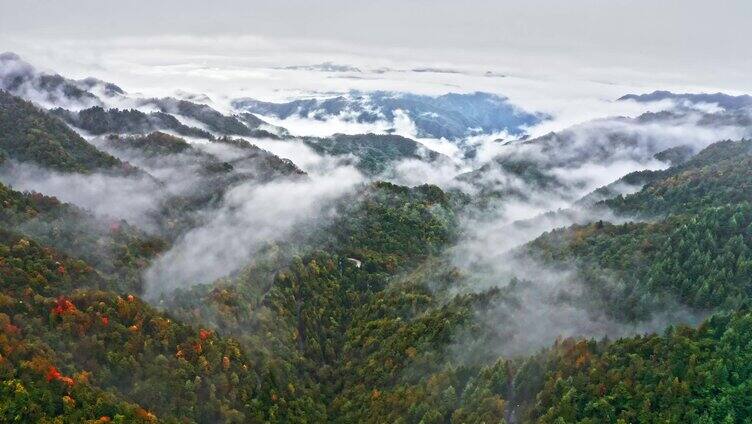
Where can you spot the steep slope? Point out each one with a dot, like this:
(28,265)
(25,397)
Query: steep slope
(718,175)
(562,165)
(63,324)
(685,375)
(360,321)
(300,307)
(696,251)
(28,134)
(118,250)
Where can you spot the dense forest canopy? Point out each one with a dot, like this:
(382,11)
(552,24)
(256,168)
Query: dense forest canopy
(166,260)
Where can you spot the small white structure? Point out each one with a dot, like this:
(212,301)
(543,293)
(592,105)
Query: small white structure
(356,262)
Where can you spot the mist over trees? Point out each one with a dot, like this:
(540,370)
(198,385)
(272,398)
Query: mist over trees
(167,260)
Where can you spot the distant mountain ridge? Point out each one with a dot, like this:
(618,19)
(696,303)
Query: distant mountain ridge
(723,100)
(87,104)
(451,116)
(21,79)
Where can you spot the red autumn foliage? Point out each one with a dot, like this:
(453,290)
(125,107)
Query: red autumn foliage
(53,374)
(63,306)
(204,334)
(105,320)
(11,329)
(61,270)
(130,298)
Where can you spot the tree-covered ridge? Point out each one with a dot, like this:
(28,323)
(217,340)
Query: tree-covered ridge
(156,143)
(720,174)
(696,254)
(508,178)
(239,152)
(375,152)
(298,316)
(113,247)
(686,375)
(98,121)
(22,79)
(345,339)
(703,261)
(192,178)
(213,120)
(63,323)
(266,163)
(326,338)
(27,134)
(388,226)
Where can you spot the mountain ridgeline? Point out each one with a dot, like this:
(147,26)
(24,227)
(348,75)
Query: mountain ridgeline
(450,116)
(362,300)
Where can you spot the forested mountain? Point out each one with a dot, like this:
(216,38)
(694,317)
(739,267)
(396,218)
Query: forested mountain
(23,80)
(214,121)
(28,134)
(375,153)
(87,104)
(112,111)
(99,121)
(697,252)
(601,273)
(192,179)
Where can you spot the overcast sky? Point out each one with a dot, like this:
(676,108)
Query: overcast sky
(546,48)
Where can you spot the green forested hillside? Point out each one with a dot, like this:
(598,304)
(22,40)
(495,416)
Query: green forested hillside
(717,176)
(697,254)
(364,315)
(67,325)
(112,246)
(685,375)
(97,120)
(28,134)
(375,152)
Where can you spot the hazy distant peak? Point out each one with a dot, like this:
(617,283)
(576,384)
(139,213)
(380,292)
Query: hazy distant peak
(451,116)
(323,67)
(20,78)
(723,100)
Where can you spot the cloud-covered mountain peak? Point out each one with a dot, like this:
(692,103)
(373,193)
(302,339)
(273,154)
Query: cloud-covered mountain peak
(20,78)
